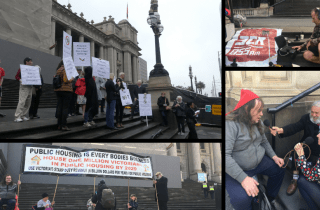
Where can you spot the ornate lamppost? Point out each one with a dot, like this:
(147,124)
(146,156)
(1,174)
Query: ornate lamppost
(155,23)
(190,75)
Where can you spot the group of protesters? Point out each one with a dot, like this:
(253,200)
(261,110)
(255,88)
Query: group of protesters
(102,199)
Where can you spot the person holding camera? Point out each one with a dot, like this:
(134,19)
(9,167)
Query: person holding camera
(309,183)
(163,104)
(312,44)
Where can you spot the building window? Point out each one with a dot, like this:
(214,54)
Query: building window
(201,145)
(178,146)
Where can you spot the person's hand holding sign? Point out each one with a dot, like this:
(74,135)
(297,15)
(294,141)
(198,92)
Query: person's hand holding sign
(154,182)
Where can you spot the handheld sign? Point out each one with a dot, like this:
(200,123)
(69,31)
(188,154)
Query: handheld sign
(67,44)
(81,53)
(125,97)
(100,68)
(70,68)
(30,75)
(145,108)
(201,177)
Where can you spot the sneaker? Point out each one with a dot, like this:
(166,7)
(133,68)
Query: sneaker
(87,125)
(25,119)
(31,117)
(92,123)
(18,120)
(36,116)
(183,133)
(65,128)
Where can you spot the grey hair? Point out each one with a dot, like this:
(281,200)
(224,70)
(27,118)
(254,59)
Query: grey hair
(121,73)
(316,104)
(179,97)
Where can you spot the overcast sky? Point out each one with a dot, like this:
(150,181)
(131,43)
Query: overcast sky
(191,36)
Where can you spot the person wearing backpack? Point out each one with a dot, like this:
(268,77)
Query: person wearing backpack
(104,198)
(64,94)
(133,204)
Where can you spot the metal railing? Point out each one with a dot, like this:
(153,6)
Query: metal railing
(287,103)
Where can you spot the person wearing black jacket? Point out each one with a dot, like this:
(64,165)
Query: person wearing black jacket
(137,90)
(162,191)
(191,121)
(119,107)
(309,124)
(92,105)
(111,101)
(96,198)
(179,108)
(36,99)
(163,102)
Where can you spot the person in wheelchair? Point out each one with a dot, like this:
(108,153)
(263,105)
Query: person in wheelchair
(309,183)
(8,191)
(312,44)
(249,153)
(44,202)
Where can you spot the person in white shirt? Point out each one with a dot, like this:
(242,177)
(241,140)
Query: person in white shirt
(44,202)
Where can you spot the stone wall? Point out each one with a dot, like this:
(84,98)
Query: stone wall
(27,23)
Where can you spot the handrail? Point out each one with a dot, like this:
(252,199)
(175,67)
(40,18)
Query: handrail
(277,3)
(273,111)
(293,99)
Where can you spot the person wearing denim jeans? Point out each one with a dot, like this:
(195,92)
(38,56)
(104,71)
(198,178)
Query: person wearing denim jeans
(8,191)
(111,89)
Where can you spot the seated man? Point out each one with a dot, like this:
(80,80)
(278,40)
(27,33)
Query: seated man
(249,153)
(8,191)
(309,182)
(309,124)
(312,44)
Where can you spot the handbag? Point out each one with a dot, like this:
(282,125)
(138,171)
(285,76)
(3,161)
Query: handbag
(56,82)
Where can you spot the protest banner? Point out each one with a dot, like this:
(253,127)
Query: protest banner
(69,67)
(125,97)
(30,75)
(67,44)
(81,53)
(253,47)
(100,68)
(145,108)
(64,161)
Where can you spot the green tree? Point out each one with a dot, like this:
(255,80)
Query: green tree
(200,86)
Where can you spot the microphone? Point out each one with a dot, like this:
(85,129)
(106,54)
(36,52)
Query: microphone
(266,122)
(309,140)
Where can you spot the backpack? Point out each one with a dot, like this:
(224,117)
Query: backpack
(107,199)
(56,82)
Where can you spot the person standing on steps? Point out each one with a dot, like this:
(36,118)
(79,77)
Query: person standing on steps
(204,186)
(36,98)
(161,190)
(2,74)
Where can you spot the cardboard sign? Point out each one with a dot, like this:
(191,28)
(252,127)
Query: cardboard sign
(100,68)
(145,108)
(81,53)
(69,67)
(216,110)
(67,45)
(253,47)
(125,97)
(30,75)
(64,161)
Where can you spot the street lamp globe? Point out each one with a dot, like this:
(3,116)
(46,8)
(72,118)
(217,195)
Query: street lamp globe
(160,28)
(152,20)
(157,15)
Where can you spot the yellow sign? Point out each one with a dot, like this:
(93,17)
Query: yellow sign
(216,109)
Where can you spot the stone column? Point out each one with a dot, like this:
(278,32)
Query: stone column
(138,69)
(101,52)
(110,59)
(217,162)
(127,67)
(81,38)
(196,164)
(91,50)
(53,35)
(115,67)
(134,70)
(105,53)
(173,150)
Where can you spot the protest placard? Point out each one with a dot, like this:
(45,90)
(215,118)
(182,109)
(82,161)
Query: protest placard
(145,108)
(100,68)
(67,44)
(124,85)
(58,161)
(30,75)
(125,97)
(81,53)
(70,68)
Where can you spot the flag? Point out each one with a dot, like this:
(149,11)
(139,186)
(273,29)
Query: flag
(127,11)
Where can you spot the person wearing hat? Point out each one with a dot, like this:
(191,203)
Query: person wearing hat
(2,74)
(133,204)
(36,93)
(25,96)
(161,190)
(248,153)
(44,202)
(96,198)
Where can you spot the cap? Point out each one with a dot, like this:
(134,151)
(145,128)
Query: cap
(245,97)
